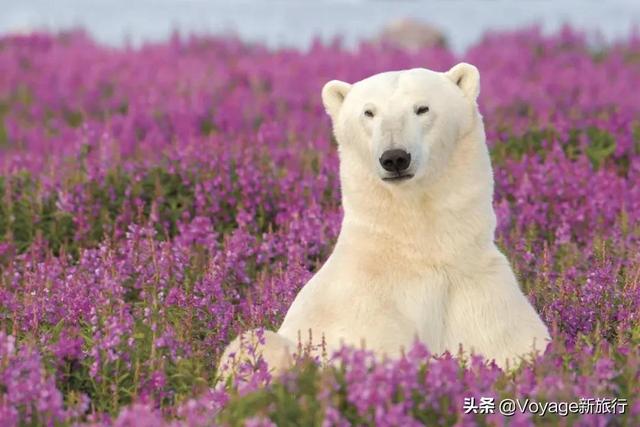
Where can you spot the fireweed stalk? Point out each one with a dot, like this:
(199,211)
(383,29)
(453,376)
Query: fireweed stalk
(157,201)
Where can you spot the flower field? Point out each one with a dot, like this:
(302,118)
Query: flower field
(157,201)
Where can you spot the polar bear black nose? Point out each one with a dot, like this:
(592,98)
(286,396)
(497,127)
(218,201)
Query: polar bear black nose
(395,160)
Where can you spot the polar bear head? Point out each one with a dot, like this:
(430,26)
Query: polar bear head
(401,127)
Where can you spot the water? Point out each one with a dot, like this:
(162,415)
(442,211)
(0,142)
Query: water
(297,22)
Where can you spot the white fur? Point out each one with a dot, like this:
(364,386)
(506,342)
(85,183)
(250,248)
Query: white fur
(415,259)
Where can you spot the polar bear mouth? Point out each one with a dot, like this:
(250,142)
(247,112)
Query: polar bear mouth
(399,177)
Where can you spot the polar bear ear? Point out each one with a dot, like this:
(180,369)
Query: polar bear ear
(467,78)
(333,95)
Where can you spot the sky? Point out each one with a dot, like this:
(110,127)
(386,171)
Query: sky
(298,22)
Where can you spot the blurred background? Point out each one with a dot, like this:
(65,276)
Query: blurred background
(296,23)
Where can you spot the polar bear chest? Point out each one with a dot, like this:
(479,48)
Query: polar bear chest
(386,313)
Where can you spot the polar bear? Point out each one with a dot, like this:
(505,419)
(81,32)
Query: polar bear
(415,257)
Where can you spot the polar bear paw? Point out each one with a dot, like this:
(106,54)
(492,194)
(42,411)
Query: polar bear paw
(251,346)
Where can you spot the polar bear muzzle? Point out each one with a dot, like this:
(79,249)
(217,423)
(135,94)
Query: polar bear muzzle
(396,161)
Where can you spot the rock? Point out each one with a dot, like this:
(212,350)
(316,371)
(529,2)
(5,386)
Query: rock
(410,34)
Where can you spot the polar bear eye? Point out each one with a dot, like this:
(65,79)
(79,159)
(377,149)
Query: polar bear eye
(368,113)
(421,110)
